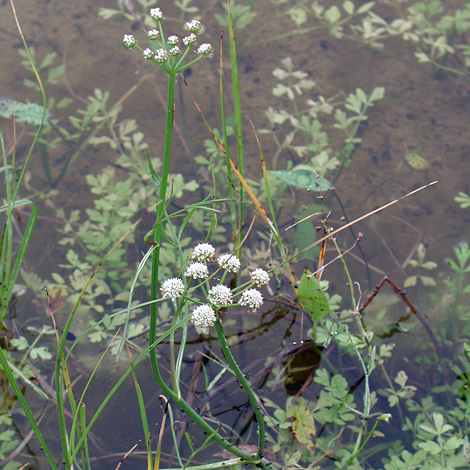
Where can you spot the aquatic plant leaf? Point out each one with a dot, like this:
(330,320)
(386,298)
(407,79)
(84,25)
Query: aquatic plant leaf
(416,161)
(311,297)
(304,235)
(23,112)
(303,427)
(302,179)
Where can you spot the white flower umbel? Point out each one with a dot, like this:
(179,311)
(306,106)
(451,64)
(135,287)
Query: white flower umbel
(190,40)
(197,271)
(203,316)
(156,14)
(174,51)
(153,34)
(220,296)
(252,298)
(229,262)
(206,50)
(259,277)
(194,26)
(161,56)
(203,252)
(129,41)
(172,288)
(173,40)
(147,53)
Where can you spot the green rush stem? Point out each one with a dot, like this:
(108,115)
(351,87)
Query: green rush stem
(154,293)
(238,121)
(246,386)
(27,411)
(159,227)
(227,155)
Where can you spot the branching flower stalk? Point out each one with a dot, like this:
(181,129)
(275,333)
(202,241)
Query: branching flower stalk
(165,52)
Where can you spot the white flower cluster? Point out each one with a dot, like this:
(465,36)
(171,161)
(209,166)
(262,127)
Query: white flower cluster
(190,40)
(206,50)
(197,271)
(251,298)
(203,252)
(129,41)
(173,40)
(156,14)
(194,26)
(166,56)
(259,277)
(172,288)
(153,34)
(229,262)
(203,316)
(147,53)
(220,296)
(161,56)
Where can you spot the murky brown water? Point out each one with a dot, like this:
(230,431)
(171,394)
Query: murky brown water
(420,113)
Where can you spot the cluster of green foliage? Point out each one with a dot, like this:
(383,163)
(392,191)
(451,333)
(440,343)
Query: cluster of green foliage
(383,420)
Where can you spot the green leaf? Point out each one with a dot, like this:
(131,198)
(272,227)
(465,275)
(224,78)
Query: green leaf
(303,427)
(430,446)
(365,8)
(41,352)
(48,60)
(416,161)
(332,15)
(311,298)
(20,343)
(378,93)
(298,15)
(348,7)
(302,179)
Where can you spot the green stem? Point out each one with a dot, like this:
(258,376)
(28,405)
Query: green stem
(246,387)
(239,130)
(159,228)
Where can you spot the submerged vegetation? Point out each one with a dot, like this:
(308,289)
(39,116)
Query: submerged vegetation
(223,287)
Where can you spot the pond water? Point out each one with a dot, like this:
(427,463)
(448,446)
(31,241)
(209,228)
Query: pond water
(421,113)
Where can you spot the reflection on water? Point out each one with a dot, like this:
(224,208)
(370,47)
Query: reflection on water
(420,113)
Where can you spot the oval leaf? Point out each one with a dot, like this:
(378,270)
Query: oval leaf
(312,299)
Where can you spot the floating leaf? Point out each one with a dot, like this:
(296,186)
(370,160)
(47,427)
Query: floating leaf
(23,112)
(312,299)
(416,161)
(302,179)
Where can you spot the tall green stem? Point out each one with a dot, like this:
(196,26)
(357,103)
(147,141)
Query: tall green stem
(246,387)
(160,210)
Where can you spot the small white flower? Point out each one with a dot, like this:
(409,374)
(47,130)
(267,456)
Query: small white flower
(174,51)
(197,271)
(252,298)
(161,56)
(173,40)
(190,40)
(259,277)
(229,262)
(153,34)
(220,296)
(172,288)
(206,50)
(147,53)
(156,14)
(203,316)
(129,41)
(194,26)
(203,252)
